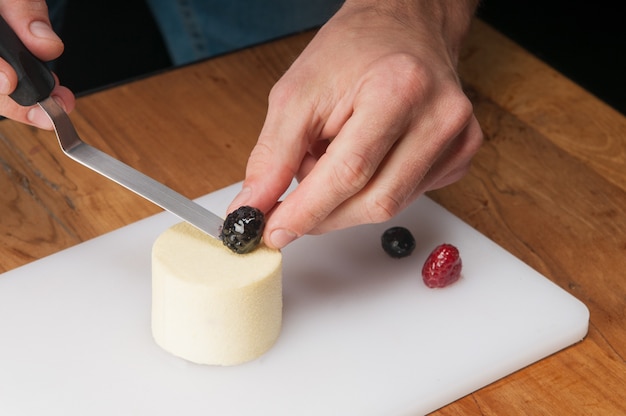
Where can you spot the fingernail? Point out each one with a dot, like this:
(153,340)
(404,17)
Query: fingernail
(38,118)
(43,30)
(281,237)
(4,83)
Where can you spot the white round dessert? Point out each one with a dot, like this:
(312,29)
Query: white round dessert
(211,305)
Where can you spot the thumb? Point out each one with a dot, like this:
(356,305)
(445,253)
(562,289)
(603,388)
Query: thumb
(31,23)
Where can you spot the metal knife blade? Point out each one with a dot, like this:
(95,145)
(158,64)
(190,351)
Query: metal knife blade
(35,85)
(126,176)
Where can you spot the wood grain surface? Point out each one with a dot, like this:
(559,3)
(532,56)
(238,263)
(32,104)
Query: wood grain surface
(549,185)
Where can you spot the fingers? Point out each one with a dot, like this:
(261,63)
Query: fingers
(34,115)
(347,164)
(344,170)
(29,20)
(408,170)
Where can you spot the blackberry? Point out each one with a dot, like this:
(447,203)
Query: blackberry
(398,242)
(242,229)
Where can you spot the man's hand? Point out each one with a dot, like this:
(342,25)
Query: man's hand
(29,20)
(370,116)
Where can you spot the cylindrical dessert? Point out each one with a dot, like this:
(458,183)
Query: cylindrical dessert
(211,305)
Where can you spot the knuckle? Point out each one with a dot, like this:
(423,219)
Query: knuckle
(283,92)
(416,77)
(458,115)
(460,108)
(382,207)
(260,153)
(262,163)
(476,134)
(404,76)
(351,174)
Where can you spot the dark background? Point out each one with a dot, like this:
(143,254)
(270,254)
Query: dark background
(584,40)
(108,42)
(113,41)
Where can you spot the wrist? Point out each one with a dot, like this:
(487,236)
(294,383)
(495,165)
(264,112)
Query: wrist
(448,20)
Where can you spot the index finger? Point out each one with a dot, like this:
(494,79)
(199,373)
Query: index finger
(289,125)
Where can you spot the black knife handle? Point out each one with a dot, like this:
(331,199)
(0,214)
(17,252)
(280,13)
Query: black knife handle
(35,80)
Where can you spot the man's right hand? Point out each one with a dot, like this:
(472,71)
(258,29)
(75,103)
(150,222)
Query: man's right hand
(29,20)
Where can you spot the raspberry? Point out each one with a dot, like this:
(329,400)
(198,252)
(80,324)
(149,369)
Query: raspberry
(442,267)
(242,229)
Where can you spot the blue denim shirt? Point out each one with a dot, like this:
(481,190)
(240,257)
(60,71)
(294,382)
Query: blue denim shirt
(196,29)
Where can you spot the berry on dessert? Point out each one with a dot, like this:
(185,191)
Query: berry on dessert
(242,229)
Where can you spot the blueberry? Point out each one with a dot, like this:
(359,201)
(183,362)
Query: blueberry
(398,242)
(242,229)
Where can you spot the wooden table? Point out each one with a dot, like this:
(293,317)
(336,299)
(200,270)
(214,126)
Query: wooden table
(549,185)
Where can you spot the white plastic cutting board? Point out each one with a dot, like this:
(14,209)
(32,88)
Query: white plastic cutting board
(362,335)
